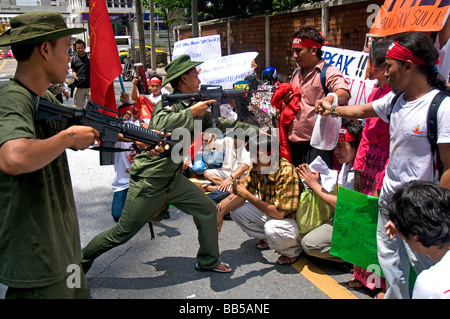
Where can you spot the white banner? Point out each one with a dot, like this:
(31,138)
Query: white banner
(353,66)
(199,49)
(227,70)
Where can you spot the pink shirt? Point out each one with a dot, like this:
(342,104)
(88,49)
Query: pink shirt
(311,90)
(375,135)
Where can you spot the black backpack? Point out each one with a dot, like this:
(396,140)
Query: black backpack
(432,125)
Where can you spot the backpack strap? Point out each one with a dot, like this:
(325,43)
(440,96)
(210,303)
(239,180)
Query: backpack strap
(394,100)
(432,128)
(323,78)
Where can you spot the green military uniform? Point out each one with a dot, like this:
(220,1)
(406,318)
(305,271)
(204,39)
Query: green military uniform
(39,233)
(156,182)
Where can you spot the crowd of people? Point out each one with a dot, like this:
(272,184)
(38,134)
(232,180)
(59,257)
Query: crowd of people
(382,150)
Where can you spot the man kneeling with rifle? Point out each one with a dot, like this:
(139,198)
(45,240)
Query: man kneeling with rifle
(39,234)
(157,182)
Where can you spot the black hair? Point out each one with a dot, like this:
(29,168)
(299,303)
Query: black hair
(421,208)
(79,41)
(313,34)
(355,129)
(379,51)
(420,45)
(23,52)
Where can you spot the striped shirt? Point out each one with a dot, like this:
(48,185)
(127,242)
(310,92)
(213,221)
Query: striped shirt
(281,188)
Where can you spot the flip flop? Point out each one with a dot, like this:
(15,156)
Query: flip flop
(198,268)
(262,245)
(287,262)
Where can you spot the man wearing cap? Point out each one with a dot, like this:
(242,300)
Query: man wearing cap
(40,250)
(307,53)
(157,182)
(39,235)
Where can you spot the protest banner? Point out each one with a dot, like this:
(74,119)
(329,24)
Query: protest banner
(199,49)
(353,66)
(227,70)
(410,15)
(355,229)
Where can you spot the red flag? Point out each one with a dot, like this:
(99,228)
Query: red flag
(104,58)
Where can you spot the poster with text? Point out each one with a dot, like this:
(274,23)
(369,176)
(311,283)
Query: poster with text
(227,70)
(199,49)
(353,65)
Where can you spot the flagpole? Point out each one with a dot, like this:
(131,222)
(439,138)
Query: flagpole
(121,84)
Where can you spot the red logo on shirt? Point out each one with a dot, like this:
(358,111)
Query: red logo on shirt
(416,130)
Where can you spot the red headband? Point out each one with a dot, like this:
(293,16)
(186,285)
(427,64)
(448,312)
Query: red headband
(398,52)
(345,136)
(302,42)
(154,80)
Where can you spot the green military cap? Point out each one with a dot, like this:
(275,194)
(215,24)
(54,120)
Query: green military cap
(179,66)
(35,27)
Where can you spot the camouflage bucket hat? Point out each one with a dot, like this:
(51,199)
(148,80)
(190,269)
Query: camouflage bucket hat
(179,66)
(35,27)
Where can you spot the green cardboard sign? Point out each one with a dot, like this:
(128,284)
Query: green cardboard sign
(355,229)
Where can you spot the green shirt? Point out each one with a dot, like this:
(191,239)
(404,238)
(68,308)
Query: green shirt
(39,233)
(171,117)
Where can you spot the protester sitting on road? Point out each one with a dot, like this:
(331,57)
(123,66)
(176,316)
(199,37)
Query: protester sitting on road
(157,182)
(418,213)
(236,162)
(411,69)
(317,242)
(270,216)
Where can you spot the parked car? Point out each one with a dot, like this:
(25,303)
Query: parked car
(124,54)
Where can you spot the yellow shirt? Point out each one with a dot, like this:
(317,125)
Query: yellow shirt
(281,188)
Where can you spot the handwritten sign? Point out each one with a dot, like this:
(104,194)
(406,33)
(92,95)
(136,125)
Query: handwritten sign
(199,49)
(227,70)
(355,228)
(353,66)
(396,16)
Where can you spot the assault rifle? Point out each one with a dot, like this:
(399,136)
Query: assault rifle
(207,92)
(108,126)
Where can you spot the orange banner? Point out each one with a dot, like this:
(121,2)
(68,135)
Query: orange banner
(398,16)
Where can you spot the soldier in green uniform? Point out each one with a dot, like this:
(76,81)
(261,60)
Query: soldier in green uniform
(156,182)
(39,234)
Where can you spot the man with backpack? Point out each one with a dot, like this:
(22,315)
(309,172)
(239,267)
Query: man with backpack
(411,69)
(308,78)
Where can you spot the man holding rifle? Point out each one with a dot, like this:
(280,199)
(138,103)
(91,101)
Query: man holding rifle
(39,234)
(157,182)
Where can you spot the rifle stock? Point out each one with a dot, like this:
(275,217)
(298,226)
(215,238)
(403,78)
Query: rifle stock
(108,126)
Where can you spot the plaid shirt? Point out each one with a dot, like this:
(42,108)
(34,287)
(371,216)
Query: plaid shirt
(281,188)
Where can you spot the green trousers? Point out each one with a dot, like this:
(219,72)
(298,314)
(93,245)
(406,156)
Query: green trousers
(145,199)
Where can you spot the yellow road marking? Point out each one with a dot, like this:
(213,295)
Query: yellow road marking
(321,280)
(3,64)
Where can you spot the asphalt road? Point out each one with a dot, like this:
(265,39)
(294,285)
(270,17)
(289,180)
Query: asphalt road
(164,268)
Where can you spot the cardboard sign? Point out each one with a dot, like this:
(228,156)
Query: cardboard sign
(227,70)
(199,49)
(355,228)
(396,16)
(353,66)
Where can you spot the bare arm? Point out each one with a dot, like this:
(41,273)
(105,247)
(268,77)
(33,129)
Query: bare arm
(323,107)
(444,152)
(25,155)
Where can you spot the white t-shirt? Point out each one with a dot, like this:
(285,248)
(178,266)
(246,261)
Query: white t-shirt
(444,57)
(434,282)
(410,156)
(346,177)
